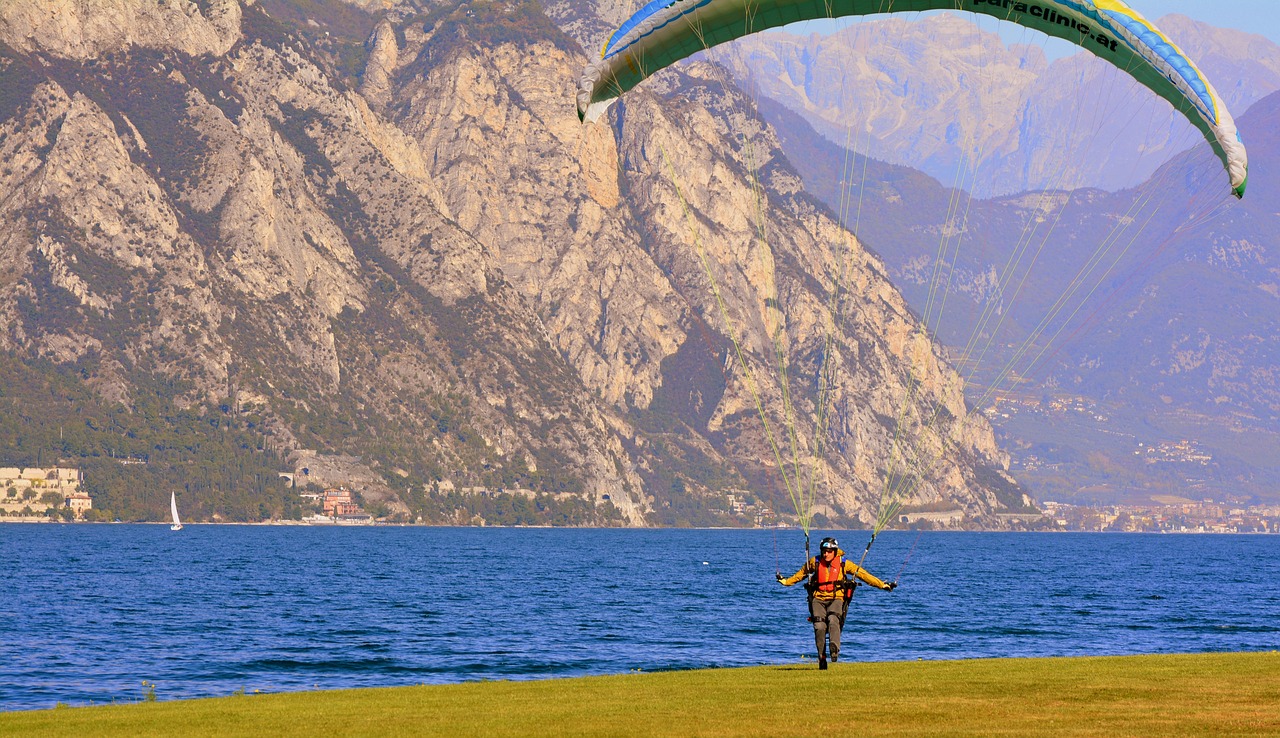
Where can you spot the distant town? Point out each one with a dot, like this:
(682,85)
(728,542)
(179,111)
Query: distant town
(1166,514)
(55,494)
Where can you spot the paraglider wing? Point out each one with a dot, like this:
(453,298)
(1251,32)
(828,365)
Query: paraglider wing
(666,31)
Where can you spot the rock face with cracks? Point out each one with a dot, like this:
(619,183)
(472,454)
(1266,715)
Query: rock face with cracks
(425,269)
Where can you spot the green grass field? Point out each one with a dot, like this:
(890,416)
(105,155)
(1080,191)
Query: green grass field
(1211,694)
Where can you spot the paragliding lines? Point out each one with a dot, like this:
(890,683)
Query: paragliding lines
(893,483)
(675,30)
(803,475)
(748,375)
(775,326)
(901,485)
(1101,252)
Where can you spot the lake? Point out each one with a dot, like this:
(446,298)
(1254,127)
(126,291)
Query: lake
(87,612)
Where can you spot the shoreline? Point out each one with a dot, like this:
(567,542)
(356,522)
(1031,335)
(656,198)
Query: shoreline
(307,524)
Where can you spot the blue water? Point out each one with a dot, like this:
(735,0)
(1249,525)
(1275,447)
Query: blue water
(87,612)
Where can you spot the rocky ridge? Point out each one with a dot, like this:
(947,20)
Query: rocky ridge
(435,268)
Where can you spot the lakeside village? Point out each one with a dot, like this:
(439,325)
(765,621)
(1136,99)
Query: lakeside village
(55,494)
(1165,514)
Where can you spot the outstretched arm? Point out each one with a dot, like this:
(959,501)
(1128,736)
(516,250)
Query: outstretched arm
(866,576)
(805,571)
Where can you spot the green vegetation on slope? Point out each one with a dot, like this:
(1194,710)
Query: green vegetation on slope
(217,458)
(1206,694)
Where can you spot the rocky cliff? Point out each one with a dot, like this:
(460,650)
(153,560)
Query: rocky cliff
(381,238)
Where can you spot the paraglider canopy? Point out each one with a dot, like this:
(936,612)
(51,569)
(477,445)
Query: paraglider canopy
(666,31)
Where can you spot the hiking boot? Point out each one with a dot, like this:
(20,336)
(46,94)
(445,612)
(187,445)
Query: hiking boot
(834,657)
(822,662)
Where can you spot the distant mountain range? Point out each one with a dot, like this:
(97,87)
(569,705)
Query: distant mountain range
(1177,344)
(939,92)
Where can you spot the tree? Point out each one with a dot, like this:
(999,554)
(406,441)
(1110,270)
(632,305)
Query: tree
(51,499)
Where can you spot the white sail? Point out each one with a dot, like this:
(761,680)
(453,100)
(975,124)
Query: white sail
(173,507)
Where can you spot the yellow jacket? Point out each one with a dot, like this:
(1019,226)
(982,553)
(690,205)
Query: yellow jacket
(849,568)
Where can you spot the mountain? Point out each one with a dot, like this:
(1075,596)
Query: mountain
(939,91)
(1158,376)
(1189,334)
(375,247)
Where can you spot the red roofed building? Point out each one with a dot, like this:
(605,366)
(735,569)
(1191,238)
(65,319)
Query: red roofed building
(338,501)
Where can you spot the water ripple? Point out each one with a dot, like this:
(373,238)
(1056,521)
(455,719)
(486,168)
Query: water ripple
(88,612)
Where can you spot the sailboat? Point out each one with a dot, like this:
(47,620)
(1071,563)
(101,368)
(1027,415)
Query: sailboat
(173,508)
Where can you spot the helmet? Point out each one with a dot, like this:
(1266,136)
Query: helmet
(829,544)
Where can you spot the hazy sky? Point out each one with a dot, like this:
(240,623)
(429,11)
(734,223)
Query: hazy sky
(1256,16)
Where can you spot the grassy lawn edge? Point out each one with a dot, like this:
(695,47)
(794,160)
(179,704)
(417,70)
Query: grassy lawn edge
(1197,694)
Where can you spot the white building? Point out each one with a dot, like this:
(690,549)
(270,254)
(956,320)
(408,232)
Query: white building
(22,487)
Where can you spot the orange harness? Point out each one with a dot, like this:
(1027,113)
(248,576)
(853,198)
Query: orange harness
(828,576)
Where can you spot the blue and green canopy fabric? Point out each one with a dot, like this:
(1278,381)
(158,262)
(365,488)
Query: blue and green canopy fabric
(666,31)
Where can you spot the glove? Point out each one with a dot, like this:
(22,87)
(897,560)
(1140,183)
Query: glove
(892,586)
(780,580)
